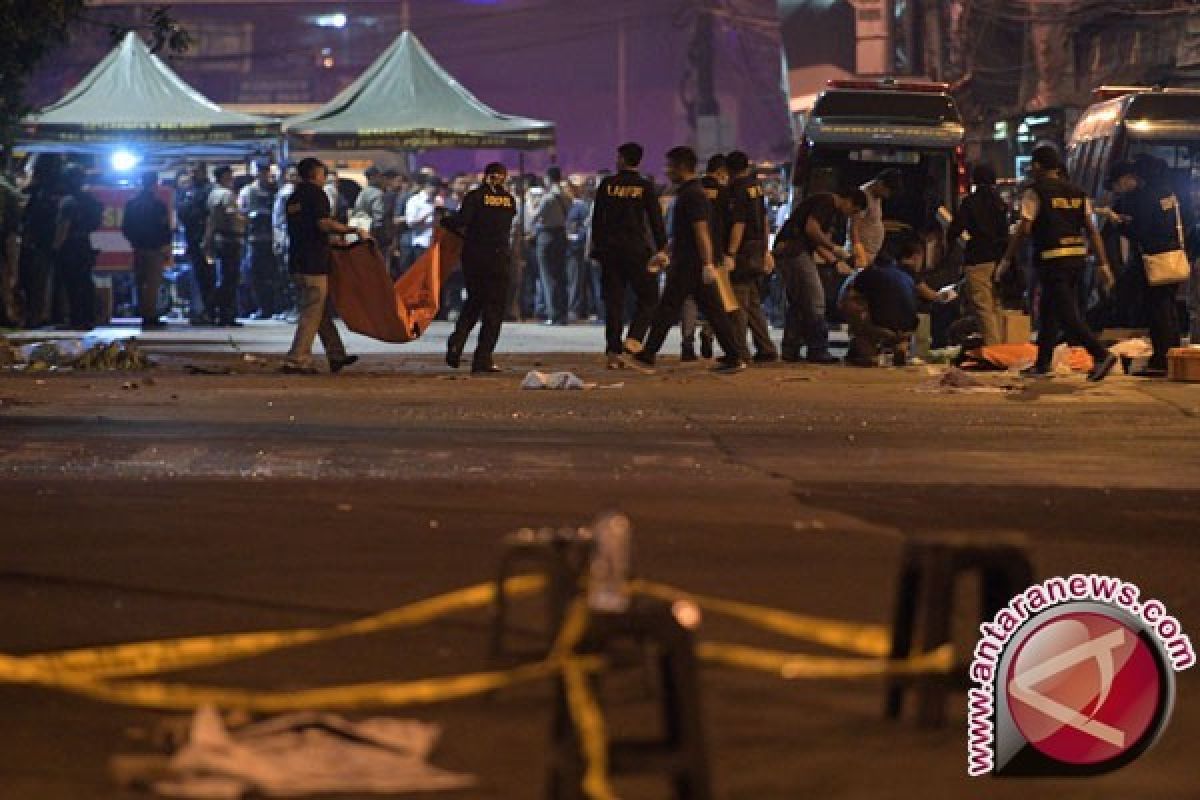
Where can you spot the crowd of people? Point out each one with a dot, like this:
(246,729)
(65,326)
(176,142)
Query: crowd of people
(719,253)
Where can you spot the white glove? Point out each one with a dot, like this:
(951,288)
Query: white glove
(947,294)
(710,274)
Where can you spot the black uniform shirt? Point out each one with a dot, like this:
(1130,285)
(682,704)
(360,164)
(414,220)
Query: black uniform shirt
(486,222)
(626,217)
(820,207)
(718,198)
(308,251)
(746,206)
(691,206)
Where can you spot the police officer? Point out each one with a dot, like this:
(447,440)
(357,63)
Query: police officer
(748,256)
(693,270)
(1058,214)
(716,188)
(485,223)
(626,206)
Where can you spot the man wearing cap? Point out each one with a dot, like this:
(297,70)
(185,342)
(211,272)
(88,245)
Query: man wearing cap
(310,222)
(1058,216)
(485,223)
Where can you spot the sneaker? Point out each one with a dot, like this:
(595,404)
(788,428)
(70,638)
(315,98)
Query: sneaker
(1101,370)
(642,357)
(615,362)
(728,366)
(297,369)
(336,365)
(453,356)
(485,369)
(633,346)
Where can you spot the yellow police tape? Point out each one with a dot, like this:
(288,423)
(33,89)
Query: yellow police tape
(793,666)
(854,637)
(156,657)
(102,673)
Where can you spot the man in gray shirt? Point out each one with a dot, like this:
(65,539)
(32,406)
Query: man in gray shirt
(550,240)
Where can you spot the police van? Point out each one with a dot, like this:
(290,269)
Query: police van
(1130,121)
(858,128)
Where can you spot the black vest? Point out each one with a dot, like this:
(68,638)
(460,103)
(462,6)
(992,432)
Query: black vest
(1058,236)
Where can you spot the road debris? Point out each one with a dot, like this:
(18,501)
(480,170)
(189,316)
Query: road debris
(294,755)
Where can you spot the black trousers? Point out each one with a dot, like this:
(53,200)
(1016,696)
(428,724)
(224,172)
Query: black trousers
(264,274)
(619,274)
(1058,312)
(684,281)
(74,272)
(223,305)
(203,273)
(487,279)
(1163,316)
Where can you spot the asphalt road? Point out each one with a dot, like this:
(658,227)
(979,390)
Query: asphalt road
(187,504)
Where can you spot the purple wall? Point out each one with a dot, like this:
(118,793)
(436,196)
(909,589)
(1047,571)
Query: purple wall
(550,59)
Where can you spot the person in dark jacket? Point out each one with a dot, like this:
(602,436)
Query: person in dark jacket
(748,256)
(147,225)
(79,215)
(983,217)
(39,221)
(629,240)
(1147,213)
(485,223)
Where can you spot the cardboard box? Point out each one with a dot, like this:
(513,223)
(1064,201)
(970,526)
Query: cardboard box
(1015,327)
(1183,364)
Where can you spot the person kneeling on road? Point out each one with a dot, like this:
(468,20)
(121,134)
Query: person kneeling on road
(310,260)
(880,305)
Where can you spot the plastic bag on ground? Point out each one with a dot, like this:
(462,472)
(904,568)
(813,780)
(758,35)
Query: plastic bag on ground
(294,755)
(554,380)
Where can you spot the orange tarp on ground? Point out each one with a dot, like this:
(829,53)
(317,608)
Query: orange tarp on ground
(370,303)
(1007,356)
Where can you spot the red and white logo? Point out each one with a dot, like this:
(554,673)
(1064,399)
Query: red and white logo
(1084,688)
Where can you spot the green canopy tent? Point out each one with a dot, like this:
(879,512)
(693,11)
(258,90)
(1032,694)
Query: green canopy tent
(406,101)
(131,100)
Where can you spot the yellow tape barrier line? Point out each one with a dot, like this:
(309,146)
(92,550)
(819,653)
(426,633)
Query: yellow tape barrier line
(180,697)
(792,666)
(582,706)
(146,658)
(855,637)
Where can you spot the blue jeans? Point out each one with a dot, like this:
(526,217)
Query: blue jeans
(805,322)
(551,247)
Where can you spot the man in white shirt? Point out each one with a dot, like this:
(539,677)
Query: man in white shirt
(867,232)
(418,215)
(224,239)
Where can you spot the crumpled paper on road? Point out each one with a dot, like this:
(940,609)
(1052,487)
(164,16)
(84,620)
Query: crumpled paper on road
(293,755)
(554,380)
